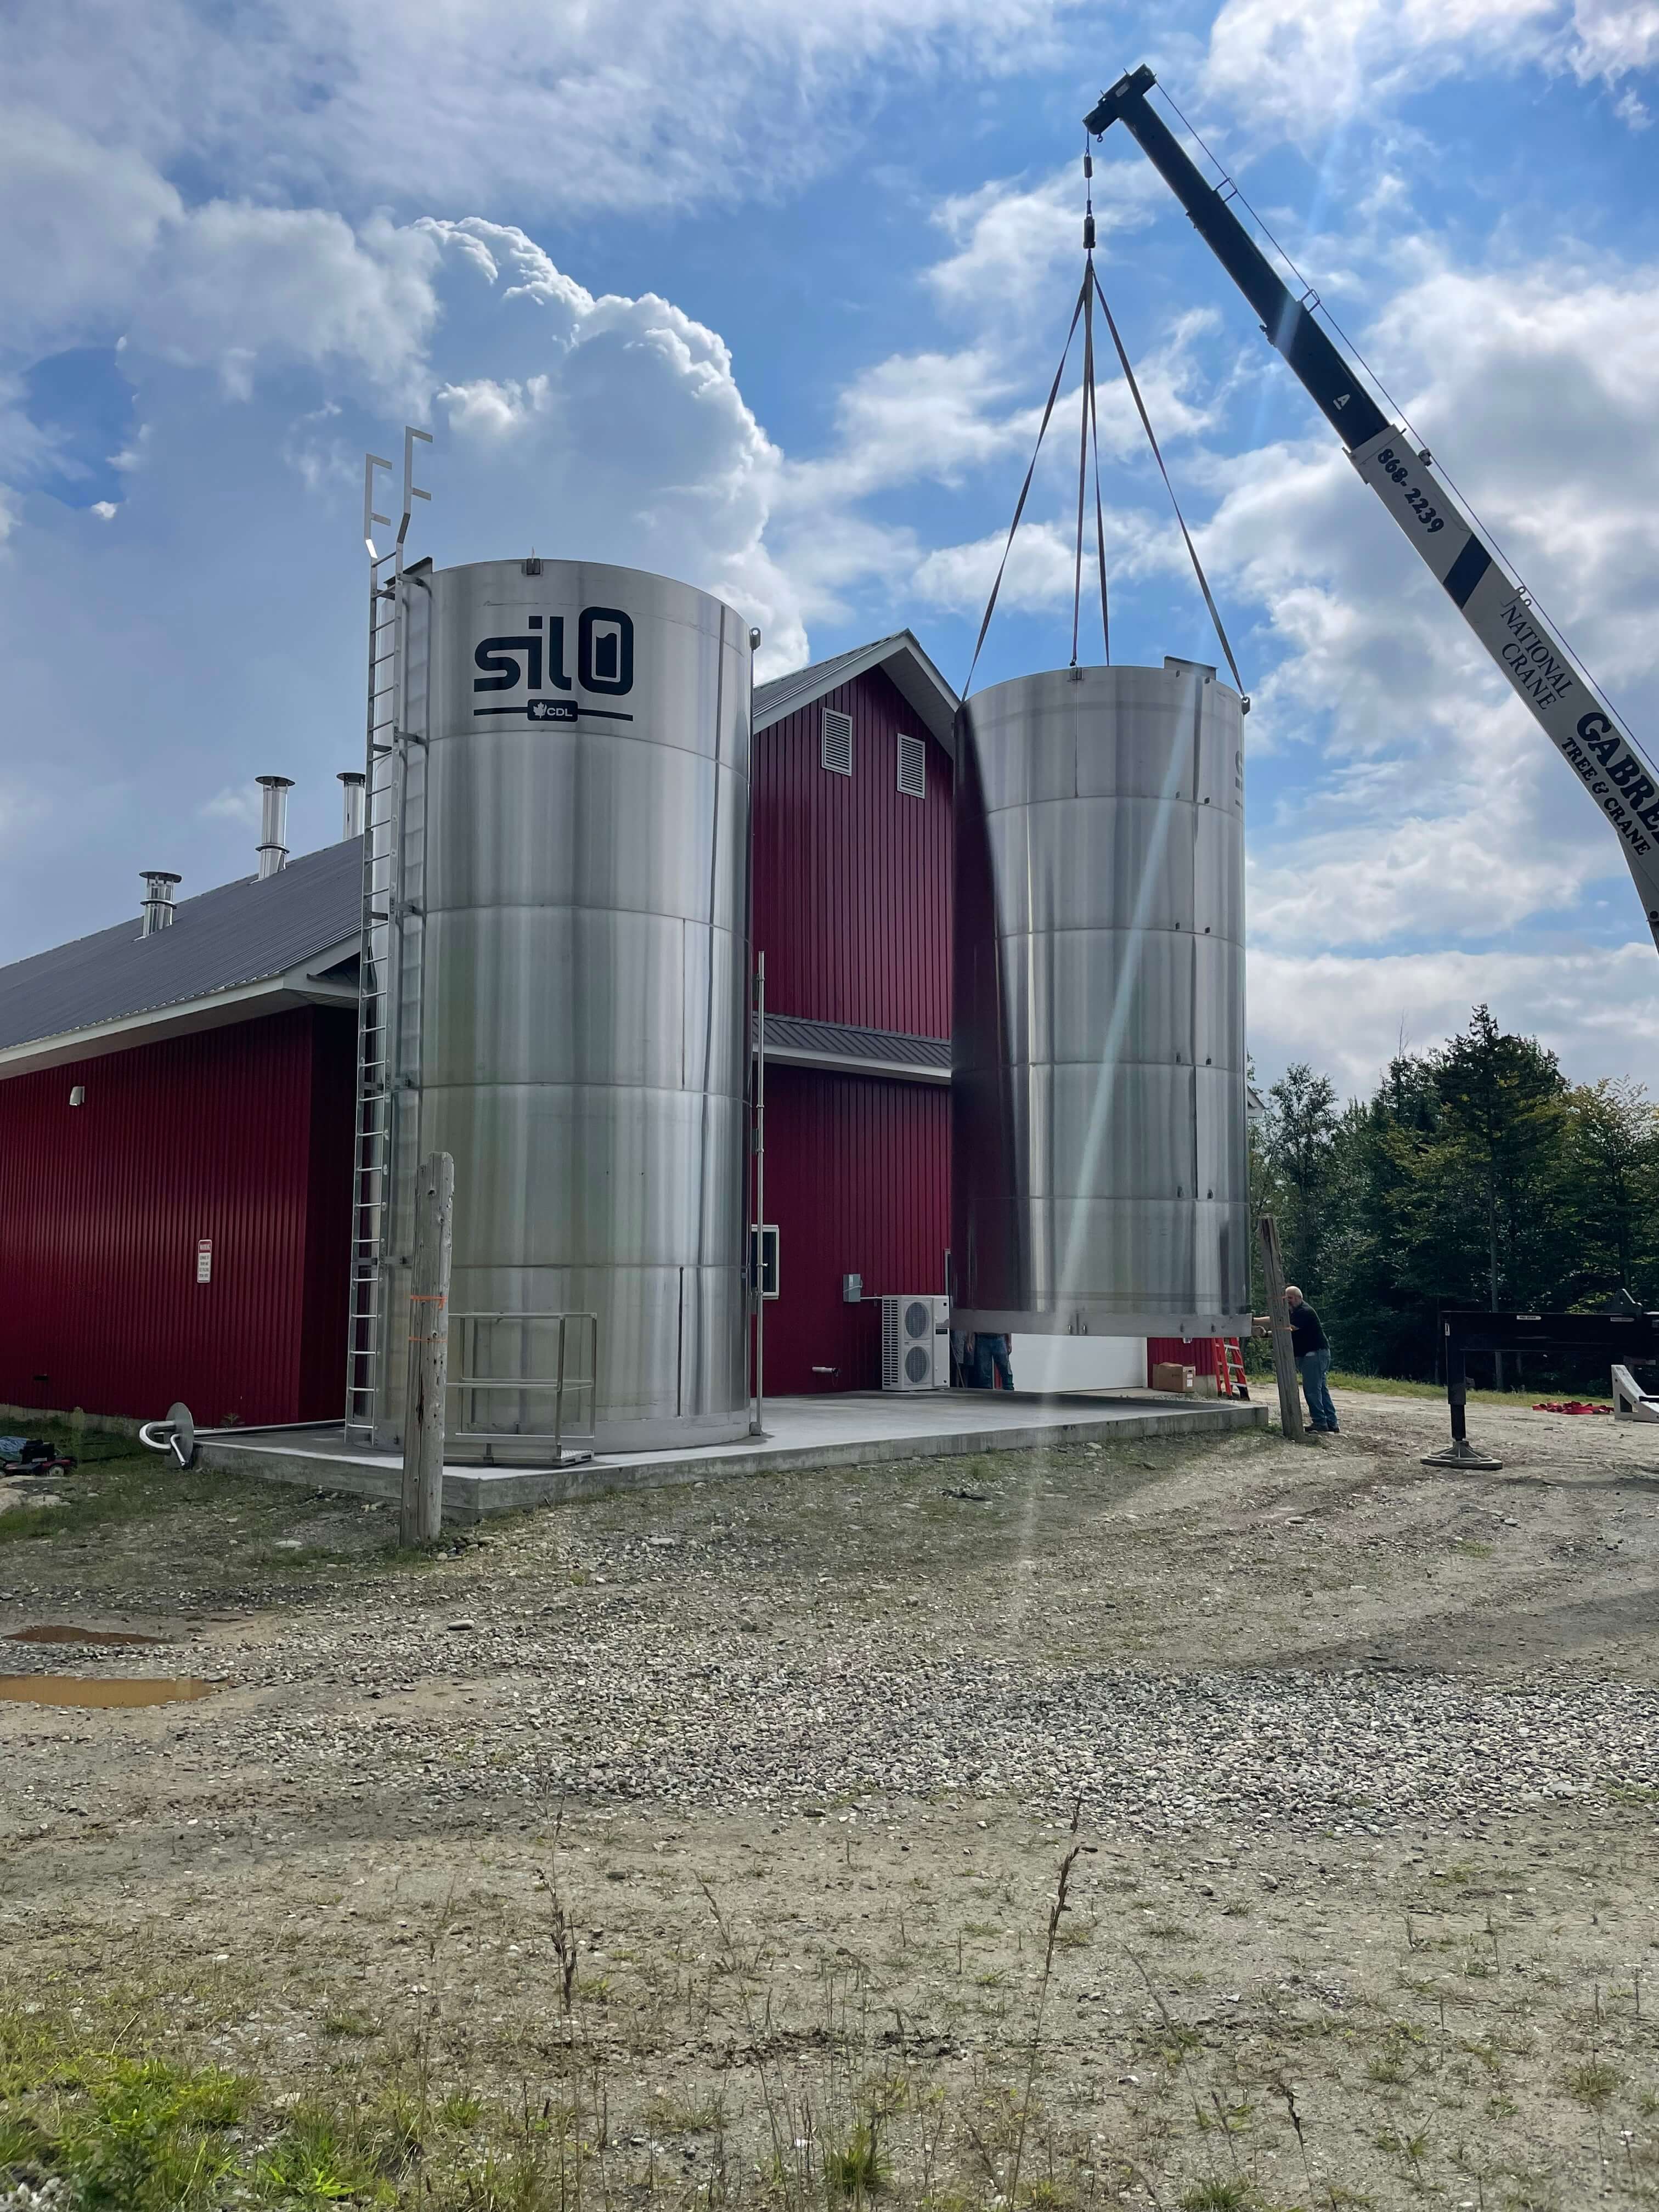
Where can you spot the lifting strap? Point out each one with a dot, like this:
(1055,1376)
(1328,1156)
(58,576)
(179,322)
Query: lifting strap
(1024,490)
(1089,426)
(1089,430)
(1192,549)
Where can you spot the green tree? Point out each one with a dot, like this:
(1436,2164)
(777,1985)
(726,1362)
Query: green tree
(1612,1157)
(1299,1136)
(1468,1180)
(1267,1196)
(1378,1314)
(1504,1123)
(1474,1175)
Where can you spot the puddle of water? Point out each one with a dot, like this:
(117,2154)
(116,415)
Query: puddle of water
(56,1633)
(87,1689)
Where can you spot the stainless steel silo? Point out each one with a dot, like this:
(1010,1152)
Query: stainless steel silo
(576,1031)
(1099,1161)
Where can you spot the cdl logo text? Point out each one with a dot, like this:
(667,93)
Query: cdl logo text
(605,655)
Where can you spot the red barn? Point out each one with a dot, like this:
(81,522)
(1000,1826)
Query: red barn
(176,1109)
(176,1117)
(853,770)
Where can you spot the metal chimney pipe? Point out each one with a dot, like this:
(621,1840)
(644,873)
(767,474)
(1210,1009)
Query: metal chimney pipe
(157,907)
(273,829)
(352,781)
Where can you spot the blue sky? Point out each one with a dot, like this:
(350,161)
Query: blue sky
(768,298)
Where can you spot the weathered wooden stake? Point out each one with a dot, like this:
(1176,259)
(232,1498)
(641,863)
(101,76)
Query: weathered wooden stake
(421,1515)
(1278,1316)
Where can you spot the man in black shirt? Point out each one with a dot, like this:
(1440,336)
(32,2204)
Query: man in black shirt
(1313,1356)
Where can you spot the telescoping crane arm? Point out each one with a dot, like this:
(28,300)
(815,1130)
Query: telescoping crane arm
(1580,724)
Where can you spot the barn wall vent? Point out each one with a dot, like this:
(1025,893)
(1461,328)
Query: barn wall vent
(835,741)
(913,767)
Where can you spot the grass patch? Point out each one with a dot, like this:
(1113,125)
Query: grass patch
(1224,2193)
(138,2135)
(854,2168)
(1592,2083)
(676,2116)
(121,1488)
(1389,1386)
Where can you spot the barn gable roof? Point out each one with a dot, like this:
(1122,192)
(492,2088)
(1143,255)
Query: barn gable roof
(899,657)
(273,939)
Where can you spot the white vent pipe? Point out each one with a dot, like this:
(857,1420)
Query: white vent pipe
(351,780)
(157,907)
(273,828)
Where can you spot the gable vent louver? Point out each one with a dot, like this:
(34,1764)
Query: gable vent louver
(836,745)
(913,767)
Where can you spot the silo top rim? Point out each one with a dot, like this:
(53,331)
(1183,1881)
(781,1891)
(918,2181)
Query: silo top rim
(551,562)
(1173,668)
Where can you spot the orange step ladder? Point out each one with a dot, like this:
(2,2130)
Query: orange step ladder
(1231,1378)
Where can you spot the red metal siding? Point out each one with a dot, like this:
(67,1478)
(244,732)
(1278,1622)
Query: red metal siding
(328,1214)
(202,1136)
(1200,1353)
(858,1180)
(851,885)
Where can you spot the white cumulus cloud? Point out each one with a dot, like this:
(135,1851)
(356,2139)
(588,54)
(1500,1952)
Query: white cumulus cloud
(1596,1007)
(231,286)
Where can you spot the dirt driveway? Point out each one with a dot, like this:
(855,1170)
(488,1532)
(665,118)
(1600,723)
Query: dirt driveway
(722,1827)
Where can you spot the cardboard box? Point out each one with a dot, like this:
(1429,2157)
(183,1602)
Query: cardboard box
(1167,1376)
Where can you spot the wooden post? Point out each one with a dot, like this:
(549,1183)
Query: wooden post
(423,1507)
(1278,1317)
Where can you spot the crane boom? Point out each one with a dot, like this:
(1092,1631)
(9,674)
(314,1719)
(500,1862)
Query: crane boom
(1579,722)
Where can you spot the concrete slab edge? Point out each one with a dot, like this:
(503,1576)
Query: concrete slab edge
(470,1496)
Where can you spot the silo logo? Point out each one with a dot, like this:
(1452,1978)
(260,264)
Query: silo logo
(534,665)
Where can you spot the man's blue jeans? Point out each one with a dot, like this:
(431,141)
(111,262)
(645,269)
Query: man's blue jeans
(1315,1366)
(991,1354)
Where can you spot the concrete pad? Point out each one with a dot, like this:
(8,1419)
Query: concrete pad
(858,1428)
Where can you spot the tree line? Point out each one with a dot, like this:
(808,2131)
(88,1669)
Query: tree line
(1475,1175)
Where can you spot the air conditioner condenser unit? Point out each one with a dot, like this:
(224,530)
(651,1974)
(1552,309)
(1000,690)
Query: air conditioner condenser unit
(915,1343)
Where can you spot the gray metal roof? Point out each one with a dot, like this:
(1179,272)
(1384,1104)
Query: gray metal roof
(871,1052)
(900,657)
(241,933)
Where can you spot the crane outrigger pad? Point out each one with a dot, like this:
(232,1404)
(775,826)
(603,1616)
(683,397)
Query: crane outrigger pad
(1461,1453)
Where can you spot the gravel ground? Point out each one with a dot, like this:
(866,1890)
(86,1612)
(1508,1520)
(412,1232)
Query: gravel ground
(1237,1635)
(1304,1694)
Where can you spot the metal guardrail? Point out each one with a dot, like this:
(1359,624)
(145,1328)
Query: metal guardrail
(475,1381)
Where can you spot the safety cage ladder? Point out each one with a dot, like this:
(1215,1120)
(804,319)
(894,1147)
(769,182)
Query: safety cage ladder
(393,927)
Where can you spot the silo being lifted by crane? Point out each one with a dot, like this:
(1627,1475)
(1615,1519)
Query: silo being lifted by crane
(567,1004)
(1099,1171)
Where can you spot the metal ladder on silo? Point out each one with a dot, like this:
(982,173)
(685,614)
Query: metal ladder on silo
(390,961)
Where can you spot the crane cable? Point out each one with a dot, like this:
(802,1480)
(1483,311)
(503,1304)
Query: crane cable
(1087,410)
(1151,440)
(1024,490)
(1089,430)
